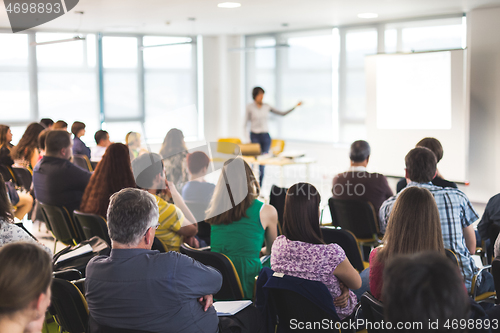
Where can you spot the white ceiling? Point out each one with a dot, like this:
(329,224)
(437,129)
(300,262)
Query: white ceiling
(254,16)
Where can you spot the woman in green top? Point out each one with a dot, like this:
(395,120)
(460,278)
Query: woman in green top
(241,223)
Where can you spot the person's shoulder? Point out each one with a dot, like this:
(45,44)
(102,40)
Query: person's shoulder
(268,211)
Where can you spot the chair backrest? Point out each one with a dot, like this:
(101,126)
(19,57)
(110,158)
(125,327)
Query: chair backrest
(92,225)
(158,245)
(83,162)
(277,200)
(373,309)
(68,274)
(277,146)
(23,177)
(495,270)
(227,145)
(7,173)
(61,224)
(231,285)
(69,307)
(356,216)
(452,256)
(347,241)
(198,209)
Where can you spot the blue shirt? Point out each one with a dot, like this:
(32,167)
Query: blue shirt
(152,291)
(456,213)
(200,192)
(79,148)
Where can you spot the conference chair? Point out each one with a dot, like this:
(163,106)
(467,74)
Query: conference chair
(198,209)
(83,162)
(452,256)
(68,274)
(231,285)
(23,177)
(61,224)
(373,310)
(92,225)
(495,270)
(7,173)
(277,200)
(227,145)
(68,306)
(347,241)
(277,146)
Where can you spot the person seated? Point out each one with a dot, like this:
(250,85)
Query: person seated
(19,198)
(25,279)
(436,147)
(197,189)
(56,180)
(47,123)
(5,146)
(302,252)
(60,125)
(491,217)
(414,226)
(79,147)
(137,288)
(102,140)
(455,212)
(240,222)
(357,183)
(133,141)
(176,222)
(174,153)
(26,153)
(111,175)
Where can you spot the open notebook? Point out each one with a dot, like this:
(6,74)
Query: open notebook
(230,308)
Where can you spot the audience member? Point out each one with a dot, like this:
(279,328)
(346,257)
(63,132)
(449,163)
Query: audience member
(56,180)
(60,125)
(241,223)
(197,189)
(301,251)
(26,154)
(490,222)
(41,142)
(47,123)
(455,211)
(19,198)
(5,146)
(435,146)
(111,175)
(174,153)
(176,222)
(102,140)
(25,279)
(359,184)
(137,288)
(425,288)
(79,147)
(133,141)
(413,227)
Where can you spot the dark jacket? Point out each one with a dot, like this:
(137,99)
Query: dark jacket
(79,148)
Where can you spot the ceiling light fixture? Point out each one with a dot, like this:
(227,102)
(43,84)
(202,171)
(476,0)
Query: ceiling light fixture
(368,15)
(229,5)
(76,38)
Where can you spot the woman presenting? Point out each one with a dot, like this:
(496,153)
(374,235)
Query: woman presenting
(257,114)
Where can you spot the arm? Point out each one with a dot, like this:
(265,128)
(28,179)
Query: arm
(348,275)
(269,220)
(190,227)
(34,157)
(470,238)
(284,113)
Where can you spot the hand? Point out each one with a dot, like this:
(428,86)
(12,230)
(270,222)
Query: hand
(343,299)
(206,301)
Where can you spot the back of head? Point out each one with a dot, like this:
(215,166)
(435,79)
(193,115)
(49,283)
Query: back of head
(131,213)
(47,122)
(197,161)
(256,91)
(60,124)
(360,151)
(421,165)
(77,127)
(4,129)
(173,143)
(424,288)
(146,168)
(413,226)
(301,215)
(100,135)
(6,210)
(41,138)
(434,145)
(25,273)
(55,141)
(28,142)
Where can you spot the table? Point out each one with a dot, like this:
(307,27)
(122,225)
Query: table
(281,162)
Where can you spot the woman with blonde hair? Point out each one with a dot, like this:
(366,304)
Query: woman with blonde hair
(414,226)
(241,223)
(133,141)
(174,153)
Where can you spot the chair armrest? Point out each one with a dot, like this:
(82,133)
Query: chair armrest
(474,281)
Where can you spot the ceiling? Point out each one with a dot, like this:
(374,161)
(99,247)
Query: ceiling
(254,16)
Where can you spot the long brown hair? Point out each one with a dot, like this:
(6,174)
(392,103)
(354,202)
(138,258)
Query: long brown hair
(173,143)
(414,225)
(242,190)
(4,129)
(28,143)
(112,174)
(5,205)
(301,215)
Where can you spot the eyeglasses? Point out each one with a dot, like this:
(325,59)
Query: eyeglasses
(156,228)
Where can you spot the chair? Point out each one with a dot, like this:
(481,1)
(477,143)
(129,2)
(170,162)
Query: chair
(68,274)
(61,224)
(23,176)
(198,209)
(495,270)
(452,256)
(277,146)
(373,309)
(227,145)
(92,225)
(69,306)
(277,200)
(7,173)
(347,241)
(83,162)
(231,286)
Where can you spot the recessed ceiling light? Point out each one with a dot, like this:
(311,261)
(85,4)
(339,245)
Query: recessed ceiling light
(368,15)
(229,5)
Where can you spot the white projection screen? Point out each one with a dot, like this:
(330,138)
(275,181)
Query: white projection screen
(412,96)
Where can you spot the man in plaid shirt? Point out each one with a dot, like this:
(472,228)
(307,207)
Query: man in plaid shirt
(455,211)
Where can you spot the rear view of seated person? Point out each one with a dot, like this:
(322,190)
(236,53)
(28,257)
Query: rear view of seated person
(435,146)
(60,125)
(301,251)
(490,221)
(197,189)
(176,222)
(102,140)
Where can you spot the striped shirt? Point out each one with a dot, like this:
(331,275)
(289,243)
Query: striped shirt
(456,213)
(170,220)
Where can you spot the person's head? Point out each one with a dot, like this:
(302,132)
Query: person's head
(133,140)
(360,152)
(426,288)
(6,210)
(227,207)
(301,214)
(47,123)
(413,226)
(132,218)
(112,174)
(258,94)
(420,165)
(58,144)
(434,145)
(5,135)
(78,129)
(41,140)
(173,143)
(102,138)
(197,163)
(60,125)
(148,171)
(25,279)
(28,142)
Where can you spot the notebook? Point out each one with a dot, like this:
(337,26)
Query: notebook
(73,254)
(230,308)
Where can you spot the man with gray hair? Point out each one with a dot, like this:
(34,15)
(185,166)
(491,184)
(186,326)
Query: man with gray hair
(357,183)
(140,289)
